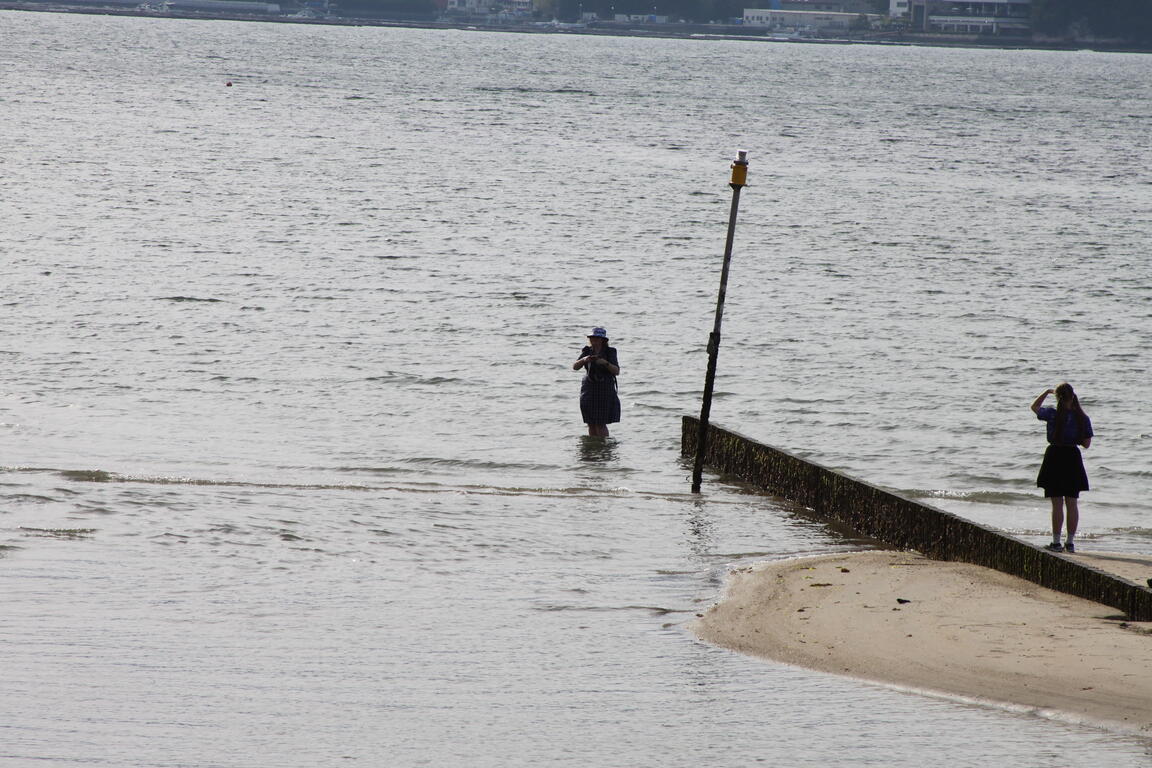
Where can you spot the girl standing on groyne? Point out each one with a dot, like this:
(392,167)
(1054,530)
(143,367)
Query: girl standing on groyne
(1062,474)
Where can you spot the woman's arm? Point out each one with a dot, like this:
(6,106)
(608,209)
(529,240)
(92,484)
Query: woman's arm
(593,360)
(1040,400)
(610,363)
(1086,442)
(583,361)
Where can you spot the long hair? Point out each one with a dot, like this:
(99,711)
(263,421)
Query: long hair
(1067,402)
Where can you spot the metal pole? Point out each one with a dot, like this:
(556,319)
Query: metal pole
(739,178)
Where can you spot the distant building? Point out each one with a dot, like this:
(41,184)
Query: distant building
(829,6)
(216,7)
(993,17)
(640,18)
(805,20)
(225,6)
(493,10)
(469,7)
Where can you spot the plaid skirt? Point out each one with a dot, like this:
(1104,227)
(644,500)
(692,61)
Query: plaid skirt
(599,403)
(1062,472)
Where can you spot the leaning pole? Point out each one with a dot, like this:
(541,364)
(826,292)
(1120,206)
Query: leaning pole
(739,179)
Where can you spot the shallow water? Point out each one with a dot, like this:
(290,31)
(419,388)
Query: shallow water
(294,468)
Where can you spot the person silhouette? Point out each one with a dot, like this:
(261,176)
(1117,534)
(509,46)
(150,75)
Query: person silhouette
(599,401)
(1062,474)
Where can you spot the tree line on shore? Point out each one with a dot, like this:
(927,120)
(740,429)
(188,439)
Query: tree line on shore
(1127,21)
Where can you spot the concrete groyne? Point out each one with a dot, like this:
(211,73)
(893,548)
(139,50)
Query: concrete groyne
(906,524)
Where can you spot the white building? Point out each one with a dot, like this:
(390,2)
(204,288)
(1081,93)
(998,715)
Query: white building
(968,17)
(832,6)
(640,18)
(224,6)
(469,7)
(496,10)
(773,19)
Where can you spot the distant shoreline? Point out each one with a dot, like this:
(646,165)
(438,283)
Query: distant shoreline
(602,29)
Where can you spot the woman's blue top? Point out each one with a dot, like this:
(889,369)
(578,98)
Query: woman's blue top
(1068,433)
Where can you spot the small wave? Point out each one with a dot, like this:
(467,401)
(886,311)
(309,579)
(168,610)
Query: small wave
(190,298)
(411,378)
(1143,533)
(59,533)
(101,476)
(162,537)
(435,461)
(965,477)
(95,509)
(1141,473)
(20,498)
(524,89)
(984,497)
(654,407)
(654,610)
(89,475)
(29,470)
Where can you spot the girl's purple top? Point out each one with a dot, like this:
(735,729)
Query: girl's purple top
(1067,434)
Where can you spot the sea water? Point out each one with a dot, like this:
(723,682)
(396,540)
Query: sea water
(293,470)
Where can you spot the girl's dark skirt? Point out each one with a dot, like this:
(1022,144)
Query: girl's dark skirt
(599,403)
(1062,472)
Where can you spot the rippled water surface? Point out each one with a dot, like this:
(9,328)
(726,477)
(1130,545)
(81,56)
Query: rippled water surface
(293,473)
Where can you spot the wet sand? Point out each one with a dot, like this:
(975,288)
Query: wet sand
(950,629)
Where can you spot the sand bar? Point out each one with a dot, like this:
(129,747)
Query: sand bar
(955,629)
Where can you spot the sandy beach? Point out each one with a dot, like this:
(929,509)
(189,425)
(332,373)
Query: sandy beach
(949,629)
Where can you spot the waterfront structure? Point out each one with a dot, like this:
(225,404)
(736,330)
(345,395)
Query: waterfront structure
(468,7)
(225,6)
(828,6)
(497,10)
(995,17)
(809,20)
(640,18)
(207,7)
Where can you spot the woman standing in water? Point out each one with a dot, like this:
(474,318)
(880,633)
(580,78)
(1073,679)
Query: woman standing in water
(599,403)
(1062,474)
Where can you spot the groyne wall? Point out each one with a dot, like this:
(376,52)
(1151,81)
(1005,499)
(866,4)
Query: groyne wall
(906,524)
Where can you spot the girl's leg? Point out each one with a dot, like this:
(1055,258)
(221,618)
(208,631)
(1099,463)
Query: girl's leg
(1057,517)
(1073,505)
